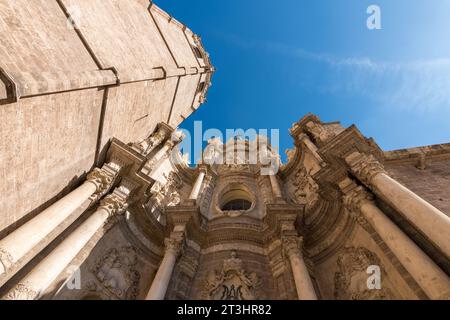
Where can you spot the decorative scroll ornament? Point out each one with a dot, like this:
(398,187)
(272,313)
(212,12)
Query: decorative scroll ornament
(350,281)
(232,282)
(116,272)
(103,178)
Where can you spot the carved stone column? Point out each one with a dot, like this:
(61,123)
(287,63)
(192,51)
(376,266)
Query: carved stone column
(432,222)
(198,184)
(17,244)
(159,285)
(292,247)
(427,274)
(34,284)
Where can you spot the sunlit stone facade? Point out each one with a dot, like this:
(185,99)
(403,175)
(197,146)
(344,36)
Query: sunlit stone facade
(99,204)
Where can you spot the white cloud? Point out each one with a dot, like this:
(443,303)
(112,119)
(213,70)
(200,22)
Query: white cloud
(422,85)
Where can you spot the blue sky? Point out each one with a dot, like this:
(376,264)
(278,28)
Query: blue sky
(278,60)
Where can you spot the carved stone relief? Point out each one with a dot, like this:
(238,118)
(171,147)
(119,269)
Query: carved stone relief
(232,282)
(116,273)
(303,188)
(350,281)
(164,195)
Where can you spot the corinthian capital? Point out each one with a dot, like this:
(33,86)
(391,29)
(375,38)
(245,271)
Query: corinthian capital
(116,203)
(364,167)
(354,199)
(103,178)
(292,245)
(173,245)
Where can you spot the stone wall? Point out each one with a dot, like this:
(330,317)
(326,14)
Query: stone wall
(432,182)
(65,91)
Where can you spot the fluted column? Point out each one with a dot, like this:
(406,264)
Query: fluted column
(198,183)
(434,282)
(18,243)
(159,285)
(429,220)
(292,247)
(34,284)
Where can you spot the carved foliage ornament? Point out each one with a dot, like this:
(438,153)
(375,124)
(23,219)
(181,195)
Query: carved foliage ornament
(350,281)
(116,272)
(292,245)
(21,291)
(103,178)
(232,282)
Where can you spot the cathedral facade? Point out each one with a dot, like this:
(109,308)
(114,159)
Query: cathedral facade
(99,203)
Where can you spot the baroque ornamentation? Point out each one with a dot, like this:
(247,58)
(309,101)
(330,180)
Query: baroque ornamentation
(354,199)
(173,245)
(21,291)
(350,281)
(305,188)
(365,167)
(103,178)
(148,145)
(116,272)
(232,282)
(292,245)
(164,195)
(6,259)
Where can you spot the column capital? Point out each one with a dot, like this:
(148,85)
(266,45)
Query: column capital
(173,245)
(354,199)
(364,167)
(103,178)
(116,202)
(292,245)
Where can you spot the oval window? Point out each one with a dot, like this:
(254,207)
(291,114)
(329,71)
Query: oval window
(237,205)
(236,198)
